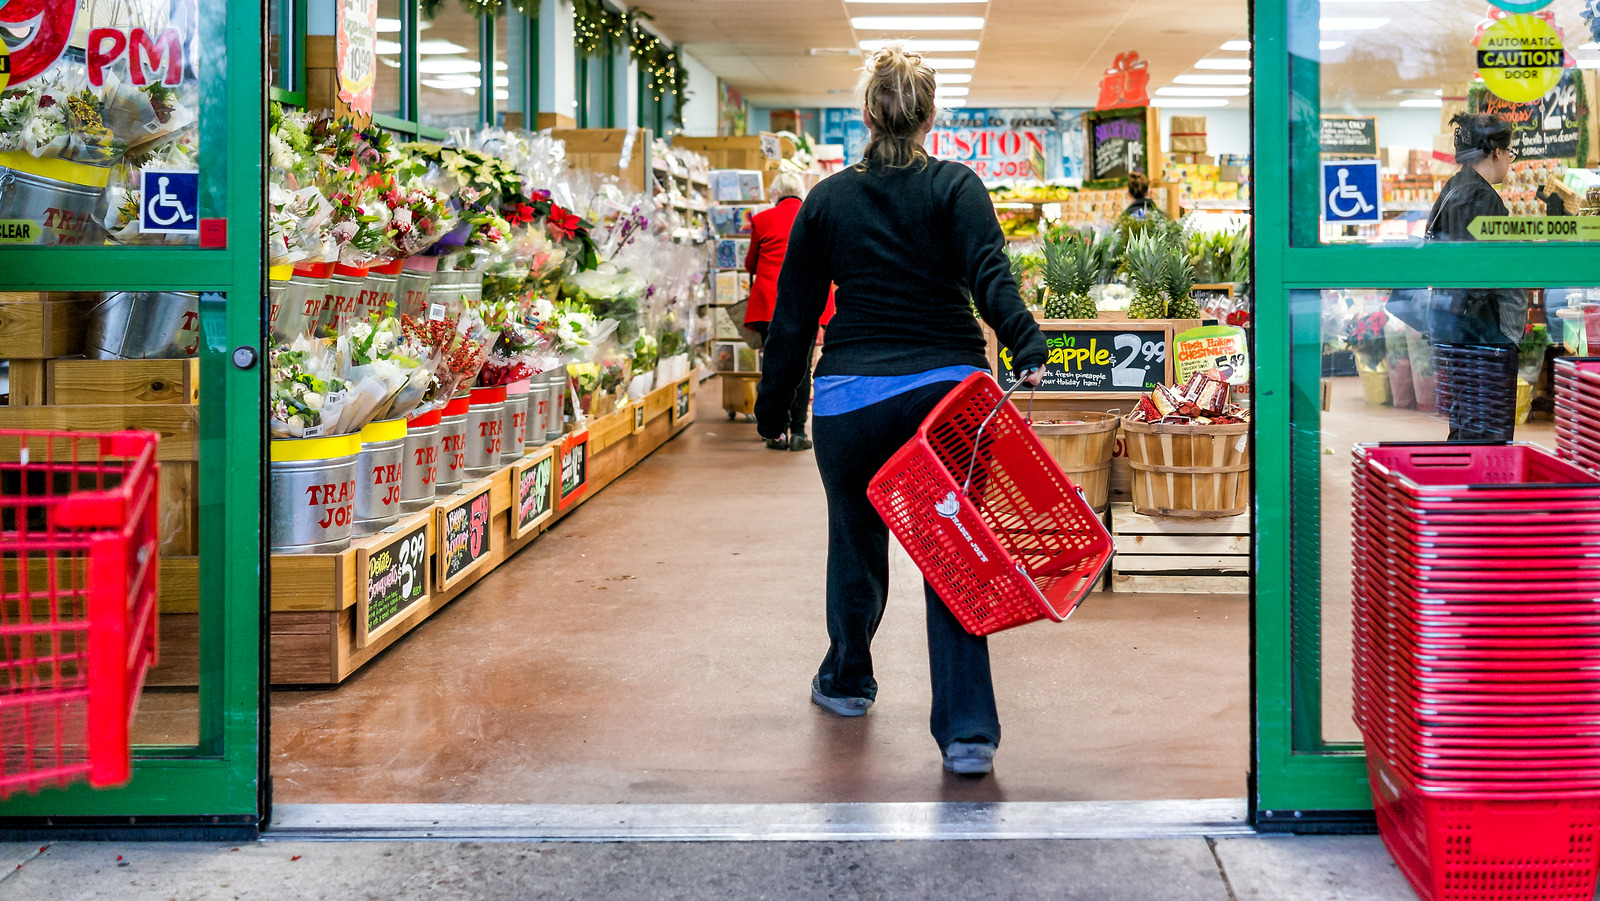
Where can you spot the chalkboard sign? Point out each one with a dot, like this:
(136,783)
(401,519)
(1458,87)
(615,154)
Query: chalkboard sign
(464,540)
(1118,144)
(1349,137)
(394,575)
(531,479)
(1105,359)
(1549,128)
(574,467)
(680,403)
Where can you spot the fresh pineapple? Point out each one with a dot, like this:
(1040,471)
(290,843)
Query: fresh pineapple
(1178,280)
(1069,272)
(1146,263)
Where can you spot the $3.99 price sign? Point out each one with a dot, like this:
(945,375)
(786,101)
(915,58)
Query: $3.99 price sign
(395,578)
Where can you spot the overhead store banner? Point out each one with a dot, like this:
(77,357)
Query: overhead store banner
(1000,145)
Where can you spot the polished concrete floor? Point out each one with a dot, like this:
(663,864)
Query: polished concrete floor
(658,646)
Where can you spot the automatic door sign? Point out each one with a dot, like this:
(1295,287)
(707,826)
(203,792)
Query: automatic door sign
(1520,58)
(1350,191)
(169,202)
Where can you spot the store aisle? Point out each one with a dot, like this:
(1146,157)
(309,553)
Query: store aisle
(658,646)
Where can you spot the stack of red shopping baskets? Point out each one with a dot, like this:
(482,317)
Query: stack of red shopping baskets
(1477,666)
(78,567)
(1578,410)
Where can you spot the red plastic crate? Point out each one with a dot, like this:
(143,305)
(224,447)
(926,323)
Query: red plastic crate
(78,568)
(1021,544)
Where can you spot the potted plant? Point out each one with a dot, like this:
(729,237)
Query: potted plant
(1365,337)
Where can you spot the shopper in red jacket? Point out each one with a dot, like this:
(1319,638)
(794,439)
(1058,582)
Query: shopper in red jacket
(769,241)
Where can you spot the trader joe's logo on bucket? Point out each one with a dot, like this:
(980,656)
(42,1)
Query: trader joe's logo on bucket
(333,502)
(950,508)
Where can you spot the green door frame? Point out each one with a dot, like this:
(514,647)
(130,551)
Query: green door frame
(216,788)
(1298,781)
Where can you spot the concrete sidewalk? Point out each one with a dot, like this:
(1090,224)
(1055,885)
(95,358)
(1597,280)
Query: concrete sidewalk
(1277,868)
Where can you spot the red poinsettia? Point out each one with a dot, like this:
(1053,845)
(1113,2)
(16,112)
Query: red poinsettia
(521,214)
(562,223)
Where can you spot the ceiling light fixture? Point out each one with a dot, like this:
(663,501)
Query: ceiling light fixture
(1202,92)
(950,62)
(952,78)
(917,23)
(1211,79)
(1187,102)
(388,26)
(1329,45)
(1343,24)
(451,82)
(1424,102)
(1222,62)
(1236,46)
(387,48)
(439,47)
(833,51)
(949,102)
(1589,63)
(448,66)
(922,2)
(923,46)
(951,92)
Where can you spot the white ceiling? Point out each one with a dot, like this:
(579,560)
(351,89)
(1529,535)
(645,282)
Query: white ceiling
(1033,52)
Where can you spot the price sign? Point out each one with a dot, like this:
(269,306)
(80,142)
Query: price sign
(1349,137)
(1221,347)
(680,403)
(532,478)
(395,575)
(1113,358)
(574,467)
(464,537)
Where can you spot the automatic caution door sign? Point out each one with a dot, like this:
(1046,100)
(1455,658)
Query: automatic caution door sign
(1520,58)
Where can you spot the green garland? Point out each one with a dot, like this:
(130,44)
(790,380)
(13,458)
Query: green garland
(664,73)
(480,8)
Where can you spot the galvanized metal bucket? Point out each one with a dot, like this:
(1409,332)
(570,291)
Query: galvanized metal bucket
(382,287)
(515,424)
(453,445)
(538,411)
(485,430)
(144,325)
(64,210)
(555,424)
(312,491)
(451,292)
(420,469)
(344,297)
(411,292)
(300,308)
(378,476)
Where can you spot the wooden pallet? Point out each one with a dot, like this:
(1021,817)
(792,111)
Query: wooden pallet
(1158,554)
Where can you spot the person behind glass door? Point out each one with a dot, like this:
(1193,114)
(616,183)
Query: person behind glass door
(1139,191)
(914,247)
(1489,320)
(769,242)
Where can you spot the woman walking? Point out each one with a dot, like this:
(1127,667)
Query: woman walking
(769,241)
(914,247)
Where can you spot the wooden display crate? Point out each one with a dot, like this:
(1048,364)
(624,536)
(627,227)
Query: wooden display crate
(1163,555)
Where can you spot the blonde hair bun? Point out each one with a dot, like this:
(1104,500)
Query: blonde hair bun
(897,89)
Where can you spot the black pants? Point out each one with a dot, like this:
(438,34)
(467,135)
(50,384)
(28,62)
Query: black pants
(851,447)
(802,393)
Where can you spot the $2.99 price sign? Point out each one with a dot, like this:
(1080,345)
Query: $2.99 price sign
(395,577)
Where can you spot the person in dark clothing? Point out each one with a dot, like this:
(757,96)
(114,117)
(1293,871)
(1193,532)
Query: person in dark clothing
(913,247)
(1487,323)
(1139,191)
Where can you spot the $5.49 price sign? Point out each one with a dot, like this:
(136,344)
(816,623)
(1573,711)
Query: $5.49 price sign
(393,580)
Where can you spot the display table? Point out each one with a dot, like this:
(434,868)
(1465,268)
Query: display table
(331,613)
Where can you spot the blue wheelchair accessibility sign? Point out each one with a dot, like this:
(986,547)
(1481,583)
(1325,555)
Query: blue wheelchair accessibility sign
(1352,191)
(170,201)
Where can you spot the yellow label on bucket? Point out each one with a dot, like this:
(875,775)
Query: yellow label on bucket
(5,66)
(19,231)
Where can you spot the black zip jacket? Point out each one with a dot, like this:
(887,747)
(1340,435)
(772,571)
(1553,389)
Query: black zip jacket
(912,251)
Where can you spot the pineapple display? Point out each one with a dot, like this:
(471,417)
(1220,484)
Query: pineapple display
(1069,273)
(1178,280)
(1146,263)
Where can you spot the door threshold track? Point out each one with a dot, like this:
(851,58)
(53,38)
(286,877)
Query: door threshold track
(934,821)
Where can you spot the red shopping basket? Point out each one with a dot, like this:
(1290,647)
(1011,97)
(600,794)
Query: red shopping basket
(78,561)
(995,526)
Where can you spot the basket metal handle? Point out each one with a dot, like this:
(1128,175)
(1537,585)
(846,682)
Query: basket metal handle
(977,439)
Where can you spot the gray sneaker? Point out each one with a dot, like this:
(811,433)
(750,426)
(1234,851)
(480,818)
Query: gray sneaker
(969,758)
(839,706)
